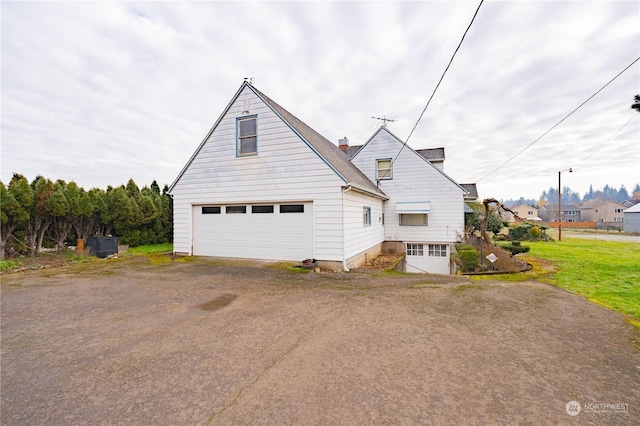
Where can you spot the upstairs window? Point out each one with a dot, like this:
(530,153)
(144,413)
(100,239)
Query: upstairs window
(247,136)
(383,169)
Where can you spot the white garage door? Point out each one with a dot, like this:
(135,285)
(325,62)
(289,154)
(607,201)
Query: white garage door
(431,258)
(281,231)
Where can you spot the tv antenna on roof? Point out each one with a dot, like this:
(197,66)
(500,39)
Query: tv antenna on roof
(384,120)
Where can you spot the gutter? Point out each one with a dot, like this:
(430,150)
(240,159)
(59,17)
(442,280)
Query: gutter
(381,195)
(344,231)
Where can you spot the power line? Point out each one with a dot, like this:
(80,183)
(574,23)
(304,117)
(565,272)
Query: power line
(611,137)
(558,123)
(436,88)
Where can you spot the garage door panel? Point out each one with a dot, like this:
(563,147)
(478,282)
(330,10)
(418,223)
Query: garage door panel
(277,236)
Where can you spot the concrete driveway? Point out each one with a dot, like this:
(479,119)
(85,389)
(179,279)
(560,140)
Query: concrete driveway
(140,341)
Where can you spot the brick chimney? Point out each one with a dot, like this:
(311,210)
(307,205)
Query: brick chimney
(344,144)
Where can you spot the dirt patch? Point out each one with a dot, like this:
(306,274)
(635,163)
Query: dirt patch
(218,303)
(383,261)
(123,342)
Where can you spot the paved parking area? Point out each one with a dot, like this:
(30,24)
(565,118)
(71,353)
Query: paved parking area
(135,341)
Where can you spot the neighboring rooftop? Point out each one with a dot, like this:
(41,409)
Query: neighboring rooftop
(432,154)
(471,189)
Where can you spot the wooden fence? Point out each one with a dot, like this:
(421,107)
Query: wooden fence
(582,225)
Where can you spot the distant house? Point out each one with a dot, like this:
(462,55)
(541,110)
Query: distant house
(523,211)
(603,212)
(632,219)
(264,185)
(570,213)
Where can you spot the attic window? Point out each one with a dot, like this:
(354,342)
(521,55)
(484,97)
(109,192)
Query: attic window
(247,136)
(383,169)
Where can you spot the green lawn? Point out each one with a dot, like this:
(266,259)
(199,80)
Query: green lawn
(152,248)
(605,272)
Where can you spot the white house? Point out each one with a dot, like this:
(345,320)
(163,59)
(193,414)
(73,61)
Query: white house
(425,209)
(264,185)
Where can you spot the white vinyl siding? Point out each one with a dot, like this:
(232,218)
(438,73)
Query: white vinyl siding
(359,238)
(295,173)
(414,180)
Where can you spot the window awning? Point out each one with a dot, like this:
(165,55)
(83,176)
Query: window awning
(413,207)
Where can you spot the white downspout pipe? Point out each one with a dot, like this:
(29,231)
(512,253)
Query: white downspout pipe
(344,231)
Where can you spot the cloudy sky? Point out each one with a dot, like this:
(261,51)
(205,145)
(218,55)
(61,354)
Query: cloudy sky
(102,92)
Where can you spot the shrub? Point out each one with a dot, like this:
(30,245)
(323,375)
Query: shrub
(535,232)
(519,232)
(469,258)
(515,248)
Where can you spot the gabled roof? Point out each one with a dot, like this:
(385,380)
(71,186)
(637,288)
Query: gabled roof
(432,154)
(599,203)
(360,148)
(634,209)
(333,156)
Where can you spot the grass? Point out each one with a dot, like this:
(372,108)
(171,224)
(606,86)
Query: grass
(605,272)
(152,248)
(9,264)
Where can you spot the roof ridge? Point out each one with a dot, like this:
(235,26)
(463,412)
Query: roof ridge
(329,151)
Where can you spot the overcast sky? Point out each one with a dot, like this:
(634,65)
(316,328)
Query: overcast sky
(102,92)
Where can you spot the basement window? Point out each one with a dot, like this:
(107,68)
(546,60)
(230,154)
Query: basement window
(292,208)
(261,209)
(247,136)
(415,249)
(236,209)
(211,210)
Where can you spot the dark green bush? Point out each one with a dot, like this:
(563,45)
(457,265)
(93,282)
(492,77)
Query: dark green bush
(469,258)
(515,248)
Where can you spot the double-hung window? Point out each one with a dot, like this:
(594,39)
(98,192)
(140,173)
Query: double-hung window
(366,216)
(247,136)
(383,169)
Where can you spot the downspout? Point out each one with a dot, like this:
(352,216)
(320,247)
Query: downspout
(344,231)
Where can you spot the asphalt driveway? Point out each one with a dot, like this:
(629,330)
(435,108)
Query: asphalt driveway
(140,341)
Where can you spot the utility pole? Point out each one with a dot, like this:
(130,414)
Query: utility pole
(559,208)
(560,204)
